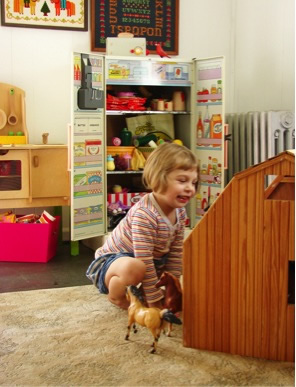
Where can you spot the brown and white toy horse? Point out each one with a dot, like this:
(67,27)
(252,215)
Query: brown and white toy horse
(151,318)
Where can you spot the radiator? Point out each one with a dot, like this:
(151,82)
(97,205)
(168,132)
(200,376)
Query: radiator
(257,136)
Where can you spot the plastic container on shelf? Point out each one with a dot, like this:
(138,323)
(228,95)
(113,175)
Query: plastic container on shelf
(199,129)
(110,163)
(127,159)
(219,86)
(142,141)
(213,91)
(126,137)
(216,127)
(207,124)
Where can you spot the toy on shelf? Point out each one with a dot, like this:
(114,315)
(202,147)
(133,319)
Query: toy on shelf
(45,138)
(138,160)
(173,293)
(117,188)
(116,212)
(151,318)
(110,163)
(13,129)
(160,51)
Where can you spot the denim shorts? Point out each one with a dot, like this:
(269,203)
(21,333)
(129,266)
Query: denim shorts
(98,269)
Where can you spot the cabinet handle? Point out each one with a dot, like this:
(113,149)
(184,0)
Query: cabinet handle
(36,161)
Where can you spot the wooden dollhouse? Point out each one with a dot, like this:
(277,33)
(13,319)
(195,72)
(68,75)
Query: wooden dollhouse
(239,266)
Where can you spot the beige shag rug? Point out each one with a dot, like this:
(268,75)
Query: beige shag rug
(75,337)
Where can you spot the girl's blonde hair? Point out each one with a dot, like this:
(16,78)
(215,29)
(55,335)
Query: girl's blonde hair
(163,160)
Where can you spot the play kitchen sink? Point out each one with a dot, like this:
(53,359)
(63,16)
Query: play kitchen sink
(13,129)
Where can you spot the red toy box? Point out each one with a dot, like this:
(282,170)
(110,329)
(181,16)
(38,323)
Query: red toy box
(31,242)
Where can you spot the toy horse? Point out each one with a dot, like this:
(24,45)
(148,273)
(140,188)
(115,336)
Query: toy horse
(173,293)
(151,318)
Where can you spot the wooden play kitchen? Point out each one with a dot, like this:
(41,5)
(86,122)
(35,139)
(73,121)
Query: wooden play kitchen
(30,175)
(13,129)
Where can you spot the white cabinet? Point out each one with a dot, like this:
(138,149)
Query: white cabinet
(152,78)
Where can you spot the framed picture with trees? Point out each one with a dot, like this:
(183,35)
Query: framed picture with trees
(52,14)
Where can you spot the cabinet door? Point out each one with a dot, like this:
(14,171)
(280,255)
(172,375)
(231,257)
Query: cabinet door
(209,130)
(14,174)
(49,173)
(87,135)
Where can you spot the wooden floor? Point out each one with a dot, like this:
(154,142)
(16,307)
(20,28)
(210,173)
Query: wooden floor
(61,271)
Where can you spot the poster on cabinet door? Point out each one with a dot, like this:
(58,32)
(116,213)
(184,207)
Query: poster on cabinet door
(88,212)
(209,126)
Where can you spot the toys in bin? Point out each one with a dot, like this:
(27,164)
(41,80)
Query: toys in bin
(9,217)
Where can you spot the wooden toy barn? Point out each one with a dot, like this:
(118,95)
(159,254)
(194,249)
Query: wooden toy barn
(239,266)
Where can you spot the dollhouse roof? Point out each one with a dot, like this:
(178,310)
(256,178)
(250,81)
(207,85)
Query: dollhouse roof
(286,156)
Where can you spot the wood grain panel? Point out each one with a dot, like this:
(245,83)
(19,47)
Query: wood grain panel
(266,279)
(250,258)
(283,279)
(234,267)
(187,293)
(201,279)
(291,254)
(218,274)
(291,333)
(226,248)
(274,278)
(195,286)
(258,260)
(211,267)
(242,266)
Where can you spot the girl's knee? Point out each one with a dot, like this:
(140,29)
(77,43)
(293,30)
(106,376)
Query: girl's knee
(129,271)
(136,270)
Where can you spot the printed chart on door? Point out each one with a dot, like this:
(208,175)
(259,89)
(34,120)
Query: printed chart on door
(87,133)
(209,132)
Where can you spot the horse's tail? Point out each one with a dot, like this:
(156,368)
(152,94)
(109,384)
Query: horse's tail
(169,316)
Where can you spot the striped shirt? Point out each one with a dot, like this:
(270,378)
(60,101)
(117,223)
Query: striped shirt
(149,235)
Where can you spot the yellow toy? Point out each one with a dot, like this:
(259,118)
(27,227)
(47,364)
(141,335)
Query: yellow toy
(177,141)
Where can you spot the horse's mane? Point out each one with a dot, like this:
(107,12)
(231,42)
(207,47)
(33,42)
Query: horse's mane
(176,281)
(137,293)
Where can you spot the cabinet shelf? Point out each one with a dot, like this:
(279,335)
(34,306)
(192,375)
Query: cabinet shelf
(148,83)
(125,112)
(9,176)
(209,103)
(123,172)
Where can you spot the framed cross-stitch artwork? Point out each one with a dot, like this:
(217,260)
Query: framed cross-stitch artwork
(53,14)
(155,20)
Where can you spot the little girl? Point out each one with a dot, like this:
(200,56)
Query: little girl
(149,239)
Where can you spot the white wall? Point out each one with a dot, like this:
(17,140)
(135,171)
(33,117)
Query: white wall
(256,36)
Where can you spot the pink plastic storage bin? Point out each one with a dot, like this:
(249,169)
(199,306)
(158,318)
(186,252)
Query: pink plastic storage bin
(36,242)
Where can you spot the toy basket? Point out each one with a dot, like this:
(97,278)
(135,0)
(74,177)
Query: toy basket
(146,151)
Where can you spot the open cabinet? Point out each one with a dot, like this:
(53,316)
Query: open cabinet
(177,85)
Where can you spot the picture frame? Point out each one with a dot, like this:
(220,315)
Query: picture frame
(50,14)
(157,21)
